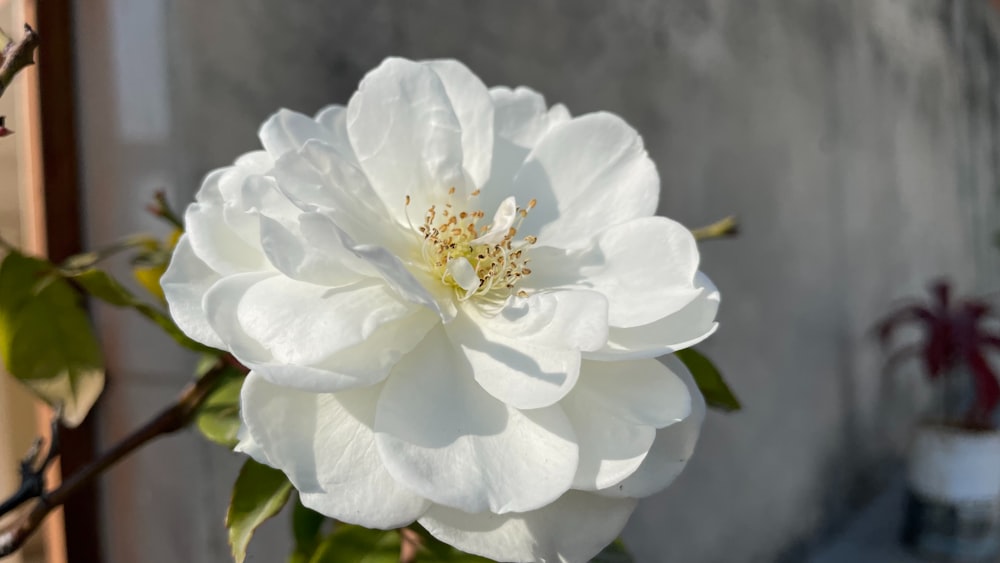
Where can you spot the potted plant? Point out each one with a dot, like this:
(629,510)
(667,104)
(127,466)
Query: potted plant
(953,473)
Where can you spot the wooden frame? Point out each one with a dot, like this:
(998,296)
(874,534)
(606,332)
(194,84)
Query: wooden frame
(53,228)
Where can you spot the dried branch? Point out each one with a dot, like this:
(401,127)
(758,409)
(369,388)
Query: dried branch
(173,418)
(16,56)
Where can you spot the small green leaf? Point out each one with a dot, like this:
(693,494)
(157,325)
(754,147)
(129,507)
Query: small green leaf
(433,550)
(101,285)
(46,338)
(615,552)
(258,494)
(709,379)
(307,525)
(354,544)
(218,419)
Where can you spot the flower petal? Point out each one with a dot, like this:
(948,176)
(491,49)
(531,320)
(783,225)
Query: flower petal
(521,118)
(591,172)
(318,178)
(406,135)
(683,329)
(334,119)
(672,448)
(185,283)
(364,363)
(293,256)
(217,244)
(474,110)
(572,529)
(445,438)
(615,409)
(325,444)
(287,130)
(645,267)
(303,323)
(528,354)
(374,260)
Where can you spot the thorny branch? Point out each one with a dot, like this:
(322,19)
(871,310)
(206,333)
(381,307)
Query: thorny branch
(171,419)
(16,56)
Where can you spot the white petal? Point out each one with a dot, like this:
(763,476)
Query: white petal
(247,445)
(288,130)
(570,530)
(445,438)
(362,364)
(528,355)
(318,178)
(503,220)
(218,245)
(672,448)
(615,409)
(461,270)
(406,135)
(291,254)
(589,173)
(320,230)
(334,119)
(303,323)
(645,267)
(325,444)
(185,283)
(570,319)
(683,329)
(474,109)
(520,120)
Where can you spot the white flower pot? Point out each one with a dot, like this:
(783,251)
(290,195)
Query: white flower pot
(953,509)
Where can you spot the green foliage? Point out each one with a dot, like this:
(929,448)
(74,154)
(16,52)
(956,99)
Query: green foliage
(307,525)
(218,419)
(433,550)
(350,544)
(354,544)
(258,494)
(101,285)
(709,379)
(46,338)
(616,552)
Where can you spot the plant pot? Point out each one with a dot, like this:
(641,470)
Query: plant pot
(953,504)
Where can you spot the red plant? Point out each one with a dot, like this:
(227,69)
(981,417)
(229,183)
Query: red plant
(955,339)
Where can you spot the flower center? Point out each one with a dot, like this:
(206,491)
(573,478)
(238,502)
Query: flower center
(477,260)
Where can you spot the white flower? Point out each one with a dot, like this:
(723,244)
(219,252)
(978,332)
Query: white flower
(450,298)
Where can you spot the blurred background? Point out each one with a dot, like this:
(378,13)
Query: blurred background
(858,141)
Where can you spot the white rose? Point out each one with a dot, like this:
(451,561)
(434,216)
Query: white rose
(450,298)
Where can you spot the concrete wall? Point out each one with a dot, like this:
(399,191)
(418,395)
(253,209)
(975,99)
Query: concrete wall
(856,139)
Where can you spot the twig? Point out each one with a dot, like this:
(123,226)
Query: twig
(171,419)
(33,472)
(409,545)
(16,56)
(723,228)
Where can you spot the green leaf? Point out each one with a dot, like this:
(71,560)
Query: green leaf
(433,550)
(18,276)
(709,379)
(101,285)
(258,494)
(354,544)
(46,338)
(615,552)
(306,527)
(218,419)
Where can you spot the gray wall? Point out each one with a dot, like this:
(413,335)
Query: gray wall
(856,140)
